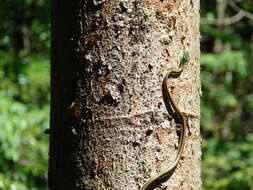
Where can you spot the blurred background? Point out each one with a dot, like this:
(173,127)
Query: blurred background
(24,93)
(226,104)
(227,99)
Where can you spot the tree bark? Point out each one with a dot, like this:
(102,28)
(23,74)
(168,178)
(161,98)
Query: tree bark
(109,126)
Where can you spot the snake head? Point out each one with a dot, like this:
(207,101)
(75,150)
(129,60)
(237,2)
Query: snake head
(184,59)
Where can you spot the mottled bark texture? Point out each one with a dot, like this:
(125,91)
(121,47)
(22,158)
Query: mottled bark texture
(109,126)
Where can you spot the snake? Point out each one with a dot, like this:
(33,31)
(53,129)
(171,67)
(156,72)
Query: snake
(180,120)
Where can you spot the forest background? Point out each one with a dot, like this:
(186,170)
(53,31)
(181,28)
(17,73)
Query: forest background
(226,103)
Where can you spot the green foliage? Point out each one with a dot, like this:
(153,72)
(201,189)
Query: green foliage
(29,32)
(22,143)
(24,115)
(227,156)
(227,102)
(24,94)
(228,165)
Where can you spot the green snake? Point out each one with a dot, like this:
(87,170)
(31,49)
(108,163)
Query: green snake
(180,121)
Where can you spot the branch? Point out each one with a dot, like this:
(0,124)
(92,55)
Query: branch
(230,20)
(247,14)
(224,21)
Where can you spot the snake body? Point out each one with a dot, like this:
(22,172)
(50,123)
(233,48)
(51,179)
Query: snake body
(180,120)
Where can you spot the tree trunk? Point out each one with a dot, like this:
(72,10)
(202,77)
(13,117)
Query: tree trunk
(109,126)
(219,46)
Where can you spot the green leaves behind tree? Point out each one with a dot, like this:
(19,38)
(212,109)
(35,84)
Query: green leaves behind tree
(227,145)
(24,93)
(227,100)
(24,115)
